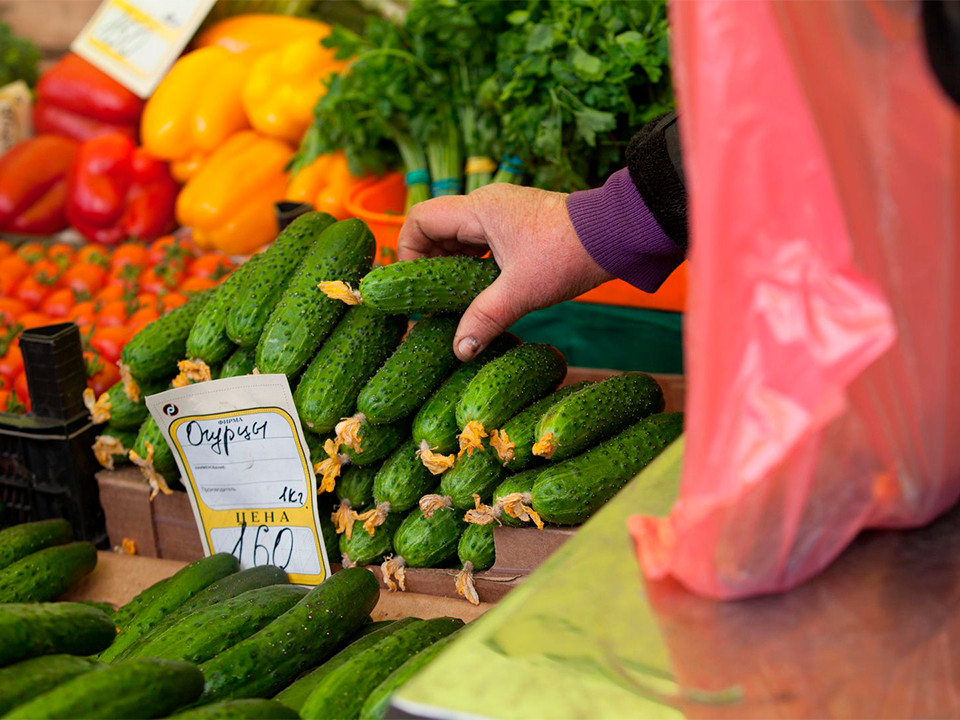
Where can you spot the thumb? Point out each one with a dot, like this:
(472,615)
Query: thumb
(492,311)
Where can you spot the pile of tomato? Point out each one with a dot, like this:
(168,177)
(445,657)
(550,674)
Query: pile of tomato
(109,293)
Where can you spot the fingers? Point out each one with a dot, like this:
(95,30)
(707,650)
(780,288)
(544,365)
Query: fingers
(492,312)
(441,226)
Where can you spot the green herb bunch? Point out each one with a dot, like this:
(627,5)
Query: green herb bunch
(18,58)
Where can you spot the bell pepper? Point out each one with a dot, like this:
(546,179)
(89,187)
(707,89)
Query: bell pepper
(228,204)
(325,183)
(33,185)
(118,191)
(195,108)
(79,101)
(285,83)
(259,32)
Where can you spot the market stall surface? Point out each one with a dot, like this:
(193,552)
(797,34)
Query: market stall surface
(586,636)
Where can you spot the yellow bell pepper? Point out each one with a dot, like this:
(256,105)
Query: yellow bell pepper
(285,83)
(195,108)
(325,183)
(228,203)
(259,32)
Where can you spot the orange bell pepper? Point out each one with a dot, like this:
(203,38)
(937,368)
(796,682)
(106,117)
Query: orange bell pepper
(228,203)
(258,32)
(325,184)
(195,108)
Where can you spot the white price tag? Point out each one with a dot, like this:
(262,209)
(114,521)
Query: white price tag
(247,470)
(136,41)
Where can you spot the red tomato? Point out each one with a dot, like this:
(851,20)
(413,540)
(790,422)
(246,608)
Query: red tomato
(46,271)
(109,294)
(158,279)
(13,268)
(4,385)
(211,265)
(171,249)
(147,300)
(21,389)
(142,317)
(61,253)
(11,364)
(33,319)
(31,292)
(93,254)
(5,248)
(59,303)
(126,276)
(83,313)
(10,310)
(130,253)
(112,314)
(196,284)
(31,251)
(109,341)
(101,375)
(172,300)
(9,402)
(85,277)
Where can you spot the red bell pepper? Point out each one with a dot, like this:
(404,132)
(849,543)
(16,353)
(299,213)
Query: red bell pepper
(33,185)
(77,100)
(116,191)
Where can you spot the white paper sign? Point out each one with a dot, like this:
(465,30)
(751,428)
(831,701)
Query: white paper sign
(247,470)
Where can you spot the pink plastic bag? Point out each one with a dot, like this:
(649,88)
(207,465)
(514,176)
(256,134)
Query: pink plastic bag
(823,331)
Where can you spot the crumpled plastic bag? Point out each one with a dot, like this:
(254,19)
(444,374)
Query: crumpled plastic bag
(822,337)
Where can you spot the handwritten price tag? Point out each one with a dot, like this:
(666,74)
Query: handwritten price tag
(247,470)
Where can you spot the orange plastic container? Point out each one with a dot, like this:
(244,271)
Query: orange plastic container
(380,202)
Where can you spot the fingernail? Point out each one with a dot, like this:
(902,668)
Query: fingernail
(468,346)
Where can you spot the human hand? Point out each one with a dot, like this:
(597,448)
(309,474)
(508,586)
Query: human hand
(531,237)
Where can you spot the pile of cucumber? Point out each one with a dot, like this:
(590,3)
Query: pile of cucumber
(209,642)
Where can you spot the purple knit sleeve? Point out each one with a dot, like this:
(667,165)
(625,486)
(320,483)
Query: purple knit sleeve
(621,234)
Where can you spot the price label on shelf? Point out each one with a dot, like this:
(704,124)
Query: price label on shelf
(246,467)
(136,41)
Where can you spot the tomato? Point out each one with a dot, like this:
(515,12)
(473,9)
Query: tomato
(158,279)
(46,271)
(94,254)
(85,277)
(61,253)
(171,249)
(13,268)
(31,251)
(101,375)
(4,385)
(22,390)
(59,303)
(109,341)
(31,292)
(141,317)
(5,249)
(110,293)
(83,313)
(9,402)
(147,300)
(196,284)
(172,300)
(11,364)
(130,253)
(210,265)
(10,310)
(33,319)
(112,314)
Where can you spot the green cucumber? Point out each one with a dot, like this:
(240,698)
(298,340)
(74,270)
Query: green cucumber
(476,546)
(21,540)
(411,373)
(436,421)
(240,363)
(208,631)
(377,702)
(506,385)
(125,613)
(208,339)
(296,694)
(331,542)
(355,486)
(477,473)
(569,492)
(153,353)
(263,286)
(246,709)
(302,637)
(112,446)
(185,584)
(104,607)
(27,679)
(46,574)
(229,586)
(342,693)
(362,549)
(145,688)
(402,479)
(304,316)
(428,285)
(122,412)
(151,436)
(31,629)
(428,541)
(591,415)
(377,442)
(522,483)
(519,430)
(358,345)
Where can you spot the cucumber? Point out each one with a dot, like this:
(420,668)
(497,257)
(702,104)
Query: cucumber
(342,693)
(477,547)
(208,631)
(521,483)
(27,679)
(362,549)
(121,412)
(402,480)
(377,702)
(145,688)
(436,421)
(572,490)
(506,385)
(185,584)
(358,345)
(21,540)
(477,473)
(515,440)
(240,362)
(152,354)
(355,486)
(331,542)
(304,316)
(263,286)
(31,629)
(302,637)
(152,446)
(104,607)
(377,442)
(125,613)
(423,541)
(246,709)
(208,339)
(296,694)
(46,574)
(217,592)
(112,446)
(428,285)
(579,421)
(408,377)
